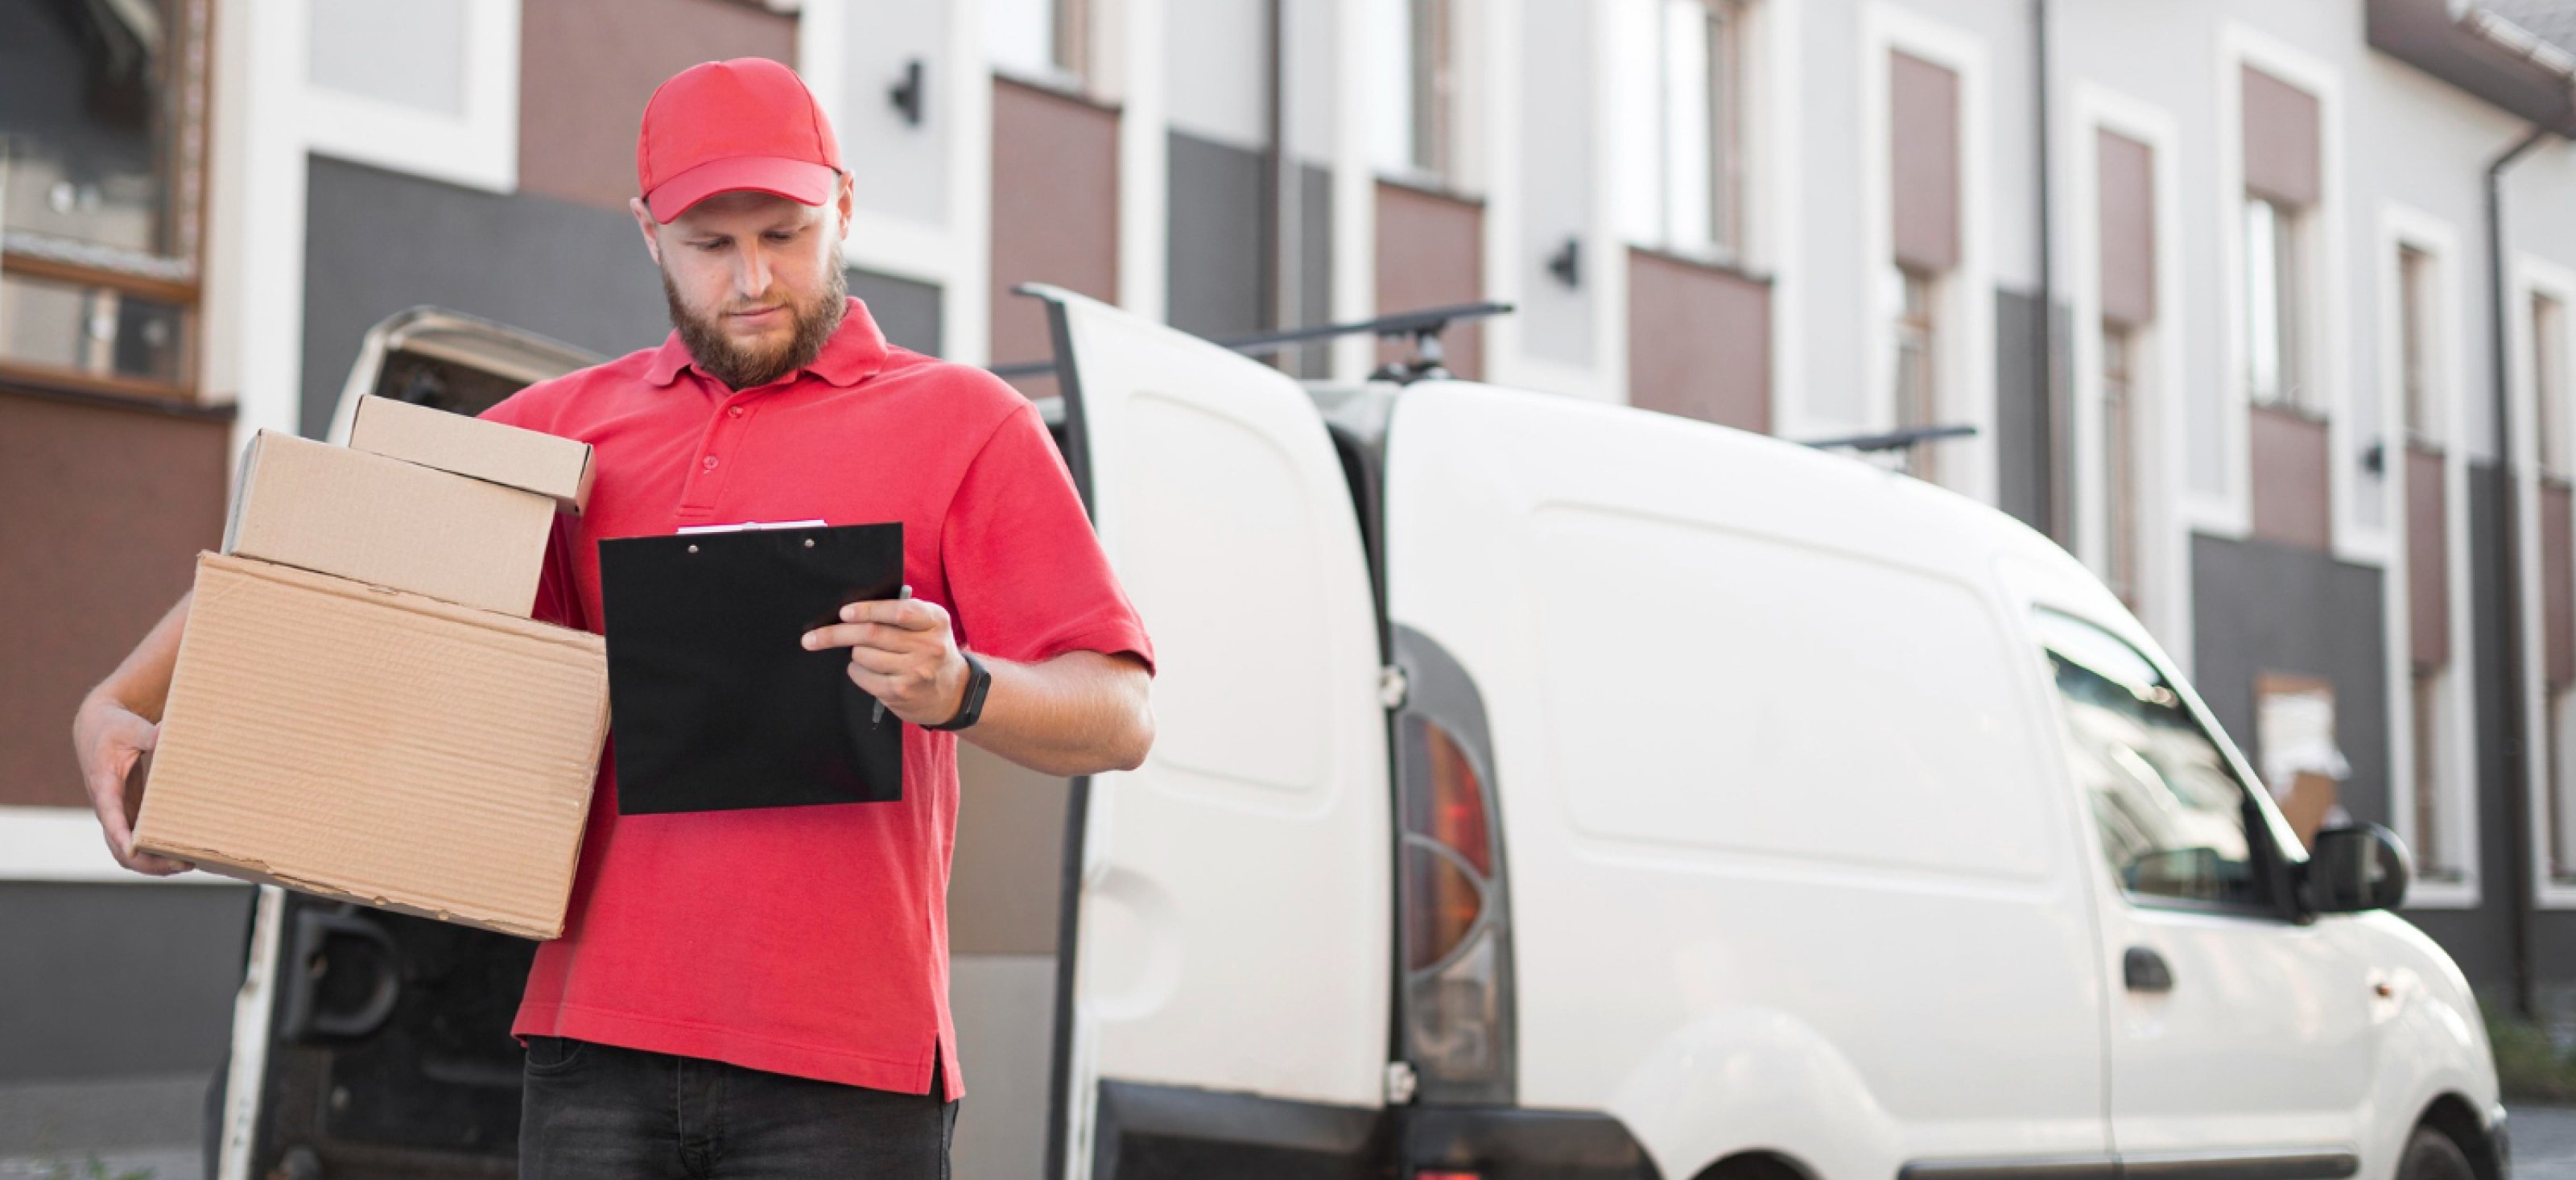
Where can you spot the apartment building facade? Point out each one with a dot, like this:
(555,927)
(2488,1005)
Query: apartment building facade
(2210,280)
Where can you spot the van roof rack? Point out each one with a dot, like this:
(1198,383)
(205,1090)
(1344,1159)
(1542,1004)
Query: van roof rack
(1891,440)
(1422,326)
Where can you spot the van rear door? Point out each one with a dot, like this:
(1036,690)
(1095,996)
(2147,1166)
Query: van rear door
(1234,914)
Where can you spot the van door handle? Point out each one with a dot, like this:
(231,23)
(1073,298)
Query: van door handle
(2144,970)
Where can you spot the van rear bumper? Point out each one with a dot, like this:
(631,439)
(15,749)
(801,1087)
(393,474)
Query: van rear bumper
(1149,1132)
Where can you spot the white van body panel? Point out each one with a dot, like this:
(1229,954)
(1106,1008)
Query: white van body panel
(1235,924)
(2275,1035)
(1707,656)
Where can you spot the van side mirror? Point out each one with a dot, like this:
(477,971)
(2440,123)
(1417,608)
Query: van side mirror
(2354,869)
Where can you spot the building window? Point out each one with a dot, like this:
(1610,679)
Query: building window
(1414,46)
(2557,752)
(1683,187)
(2432,840)
(1041,40)
(2120,461)
(2417,314)
(2275,299)
(1911,300)
(102,176)
(2549,382)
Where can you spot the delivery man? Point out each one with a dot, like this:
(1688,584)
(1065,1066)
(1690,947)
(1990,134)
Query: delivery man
(765,992)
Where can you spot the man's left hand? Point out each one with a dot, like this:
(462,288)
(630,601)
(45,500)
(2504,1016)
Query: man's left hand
(901,653)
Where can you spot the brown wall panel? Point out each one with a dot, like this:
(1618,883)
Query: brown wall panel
(2128,228)
(107,510)
(2290,497)
(2428,579)
(1699,342)
(1055,213)
(2280,139)
(2557,584)
(587,66)
(1431,252)
(1923,149)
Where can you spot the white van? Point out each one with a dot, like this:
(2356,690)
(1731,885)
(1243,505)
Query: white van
(1546,789)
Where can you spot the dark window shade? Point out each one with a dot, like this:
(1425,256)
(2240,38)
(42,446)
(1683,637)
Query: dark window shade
(2127,182)
(1923,150)
(2280,140)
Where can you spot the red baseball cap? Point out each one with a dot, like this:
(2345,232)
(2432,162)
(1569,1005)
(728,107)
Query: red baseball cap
(726,126)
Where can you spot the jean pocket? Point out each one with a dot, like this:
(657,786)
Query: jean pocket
(553,1055)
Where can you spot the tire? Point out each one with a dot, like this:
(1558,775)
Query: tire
(2431,1155)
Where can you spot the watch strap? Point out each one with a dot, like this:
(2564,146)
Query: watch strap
(970,705)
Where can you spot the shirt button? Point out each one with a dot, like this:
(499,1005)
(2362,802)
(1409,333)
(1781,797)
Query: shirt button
(709,462)
(734,412)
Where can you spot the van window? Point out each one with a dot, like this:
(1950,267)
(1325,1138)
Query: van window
(2173,816)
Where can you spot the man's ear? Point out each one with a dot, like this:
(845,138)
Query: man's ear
(644,222)
(845,206)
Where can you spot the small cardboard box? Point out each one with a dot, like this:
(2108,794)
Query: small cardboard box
(389,523)
(556,468)
(358,742)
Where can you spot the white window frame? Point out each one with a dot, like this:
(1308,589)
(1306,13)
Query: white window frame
(2405,227)
(2326,317)
(1966,345)
(2156,362)
(478,148)
(64,844)
(2533,275)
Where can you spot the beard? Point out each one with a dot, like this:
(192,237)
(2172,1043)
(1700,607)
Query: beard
(742,366)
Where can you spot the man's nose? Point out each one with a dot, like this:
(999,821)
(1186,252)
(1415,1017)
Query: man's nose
(751,278)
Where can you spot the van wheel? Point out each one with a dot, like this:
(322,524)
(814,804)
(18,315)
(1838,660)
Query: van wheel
(2431,1155)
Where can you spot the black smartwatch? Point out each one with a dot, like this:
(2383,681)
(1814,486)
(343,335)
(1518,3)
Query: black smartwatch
(971,707)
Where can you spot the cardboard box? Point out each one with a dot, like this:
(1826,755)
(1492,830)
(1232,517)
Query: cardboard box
(364,743)
(389,523)
(556,468)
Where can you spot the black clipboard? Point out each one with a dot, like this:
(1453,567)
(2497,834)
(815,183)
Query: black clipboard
(714,703)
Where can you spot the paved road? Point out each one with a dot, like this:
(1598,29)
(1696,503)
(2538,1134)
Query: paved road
(2544,1142)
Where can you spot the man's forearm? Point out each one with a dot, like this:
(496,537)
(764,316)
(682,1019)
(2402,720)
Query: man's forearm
(1079,713)
(142,683)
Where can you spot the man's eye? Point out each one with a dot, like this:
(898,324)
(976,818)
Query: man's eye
(710,247)
(780,235)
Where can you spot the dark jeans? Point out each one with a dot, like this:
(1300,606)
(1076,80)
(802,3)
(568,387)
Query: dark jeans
(598,1111)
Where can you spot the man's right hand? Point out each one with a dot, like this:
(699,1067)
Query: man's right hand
(109,738)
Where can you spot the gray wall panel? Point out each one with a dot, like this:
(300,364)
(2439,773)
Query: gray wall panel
(2021,406)
(127,979)
(906,311)
(2262,607)
(377,242)
(1216,269)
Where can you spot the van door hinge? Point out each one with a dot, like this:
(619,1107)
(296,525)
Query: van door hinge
(1391,687)
(1400,1083)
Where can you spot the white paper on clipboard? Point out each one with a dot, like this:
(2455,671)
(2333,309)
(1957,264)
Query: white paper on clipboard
(749,524)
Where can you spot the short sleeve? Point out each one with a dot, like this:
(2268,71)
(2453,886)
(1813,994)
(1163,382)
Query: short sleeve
(1023,566)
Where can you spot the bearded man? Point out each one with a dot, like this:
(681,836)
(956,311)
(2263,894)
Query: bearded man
(764,992)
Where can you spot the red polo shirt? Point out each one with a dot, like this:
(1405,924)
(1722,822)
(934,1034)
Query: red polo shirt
(805,940)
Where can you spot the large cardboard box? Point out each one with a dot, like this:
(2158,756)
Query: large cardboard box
(383,521)
(556,468)
(354,741)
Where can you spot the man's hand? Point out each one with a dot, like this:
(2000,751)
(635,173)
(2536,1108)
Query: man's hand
(901,653)
(109,737)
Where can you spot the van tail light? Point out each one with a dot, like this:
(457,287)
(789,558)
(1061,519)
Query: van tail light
(1444,1174)
(1453,920)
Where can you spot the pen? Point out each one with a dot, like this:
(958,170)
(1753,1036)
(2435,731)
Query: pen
(876,712)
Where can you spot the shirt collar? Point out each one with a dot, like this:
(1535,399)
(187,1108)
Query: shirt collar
(856,351)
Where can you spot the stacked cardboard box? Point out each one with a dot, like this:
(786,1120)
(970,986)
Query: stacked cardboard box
(362,707)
